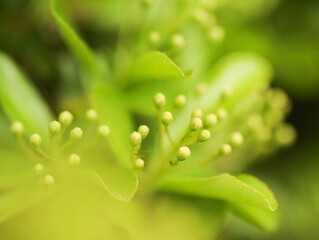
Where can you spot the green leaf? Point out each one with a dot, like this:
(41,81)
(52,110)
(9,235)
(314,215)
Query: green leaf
(154,66)
(112,111)
(19,99)
(13,202)
(79,48)
(224,187)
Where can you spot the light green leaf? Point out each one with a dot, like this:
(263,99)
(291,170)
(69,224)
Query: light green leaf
(154,66)
(224,187)
(112,111)
(15,201)
(79,48)
(19,99)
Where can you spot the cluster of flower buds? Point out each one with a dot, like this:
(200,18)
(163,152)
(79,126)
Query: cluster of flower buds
(136,141)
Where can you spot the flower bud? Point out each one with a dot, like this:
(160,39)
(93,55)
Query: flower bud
(48,180)
(204,135)
(38,168)
(74,160)
(195,124)
(180,101)
(17,128)
(236,139)
(227,92)
(222,113)
(159,100)
(91,115)
(35,140)
(197,113)
(139,164)
(104,131)
(54,128)
(201,88)
(217,34)
(210,120)
(167,118)
(183,153)
(178,40)
(154,37)
(136,139)
(285,134)
(76,133)
(65,118)
(225,149)
(143,130)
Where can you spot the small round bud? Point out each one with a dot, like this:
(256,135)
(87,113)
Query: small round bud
(104,131)
(197,113)
(222,113)
(225,149)
(35,140)
(236,139)
(159,100)
(17,128)
(204,135)
(65,118)
(38,168)
(255,121)
(195,124)
(91,115)
(48,180)
(154,37)
(285,134)
(201,88)
(136,139)
(178,40)
(180,100)
(227,92)
(217,34)
(201,15)
(74,160)
(54,128)
(76,133)
(143,130)
(167,118)
(183,153)
(211,120)
(139,164)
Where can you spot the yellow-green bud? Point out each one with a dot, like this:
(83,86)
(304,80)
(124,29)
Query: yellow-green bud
(104,131)
(225,149)
(204,135)
(255,121)
(154,37)
(17,128)
(136,138)
(236,139)
(202,16)
(54,128)
(143,130)
(76,133)
(91,115)
(180,100)
(227,92)
(211,120)
(201,88)
(74,160)
(183,153)
(48,180)
(178,40)
(65,118)
(35,140)
(197,113)
(217,34)
(285,134)
(167,118)
(222,113)
(195,124)
(159,100)
(38,168)
(139,164)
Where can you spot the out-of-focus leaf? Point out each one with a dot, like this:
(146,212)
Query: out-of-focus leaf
(112,111)
(80,49)
(224,187)
(20,101)
(154,66)
(16,201)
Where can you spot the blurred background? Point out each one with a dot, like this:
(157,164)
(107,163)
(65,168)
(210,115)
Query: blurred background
(284,31)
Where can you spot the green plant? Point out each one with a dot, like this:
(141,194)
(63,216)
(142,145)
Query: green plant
(170,165)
